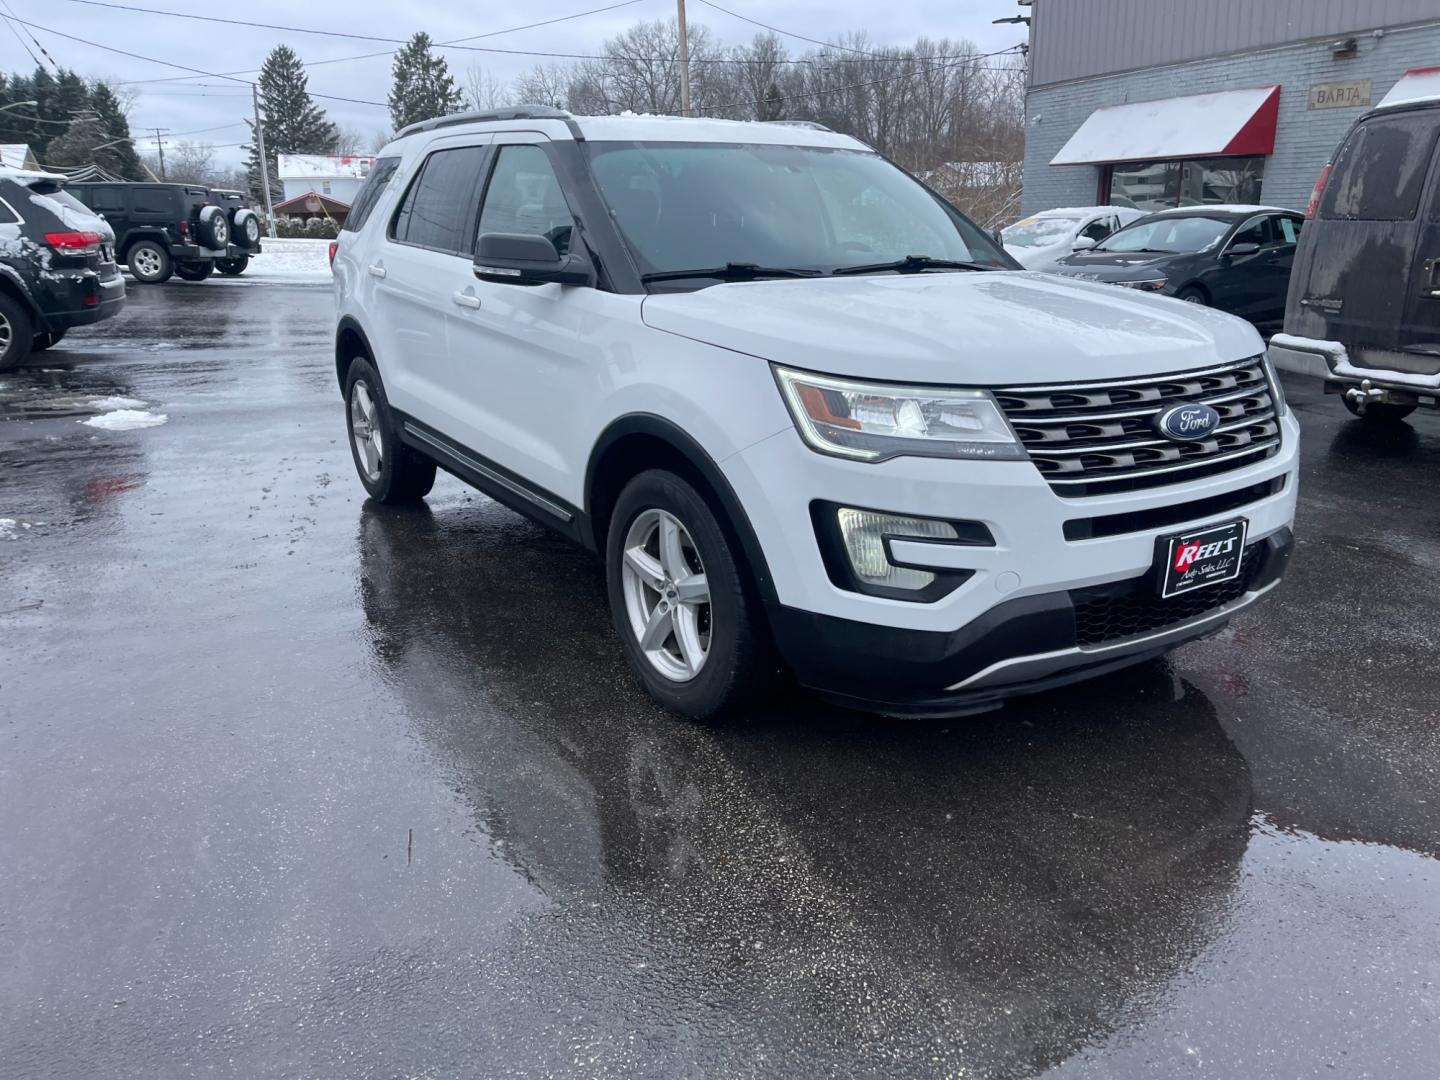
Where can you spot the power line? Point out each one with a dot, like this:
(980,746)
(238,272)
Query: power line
(456,43)
(33,38)
(787,33)
(184,67)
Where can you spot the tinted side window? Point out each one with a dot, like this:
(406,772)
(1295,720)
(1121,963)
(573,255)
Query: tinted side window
(438,206)
(370,192)
(1097,230)
(7,216)
(1381,168)
(524,196)
(103,198)
(153,200)
(1254,233)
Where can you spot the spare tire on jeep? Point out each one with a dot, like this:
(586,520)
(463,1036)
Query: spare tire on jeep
(247,227)
(214,227)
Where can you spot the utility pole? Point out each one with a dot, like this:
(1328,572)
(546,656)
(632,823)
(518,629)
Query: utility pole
(160,134)
(684,61)
(264,163)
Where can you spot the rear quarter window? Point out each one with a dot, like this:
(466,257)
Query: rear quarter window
(375,184)
(1380,171)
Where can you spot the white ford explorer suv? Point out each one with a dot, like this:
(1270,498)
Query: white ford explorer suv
(809,414)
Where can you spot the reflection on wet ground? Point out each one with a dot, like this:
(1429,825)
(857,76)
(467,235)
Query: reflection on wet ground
(296,785)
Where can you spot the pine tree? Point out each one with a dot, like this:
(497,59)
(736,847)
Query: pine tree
(423,86)
(294,124)
(77,146)
(121,158)
(44,91)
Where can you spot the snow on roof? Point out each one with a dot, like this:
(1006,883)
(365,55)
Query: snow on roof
(324,167)
(14,155)
(1225,208)
(1071,211)
(1239,122)
(31,174)
(1417,84)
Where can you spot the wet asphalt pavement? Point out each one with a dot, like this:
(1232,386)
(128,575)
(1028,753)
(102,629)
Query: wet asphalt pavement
(295,786)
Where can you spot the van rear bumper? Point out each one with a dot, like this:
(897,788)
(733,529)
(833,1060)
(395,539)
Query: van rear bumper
(1330,360)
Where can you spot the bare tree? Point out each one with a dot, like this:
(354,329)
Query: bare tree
(482,91)
(187,162)
(546,84)
(349,140)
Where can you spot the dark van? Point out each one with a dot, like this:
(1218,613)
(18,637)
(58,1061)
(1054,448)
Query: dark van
(1363,309)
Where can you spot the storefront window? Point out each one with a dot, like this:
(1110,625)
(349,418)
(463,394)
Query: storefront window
(1159,185)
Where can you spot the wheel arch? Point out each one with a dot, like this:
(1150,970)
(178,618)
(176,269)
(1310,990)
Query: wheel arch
(13,285)
(350,343)
(1196,285)
(640,441)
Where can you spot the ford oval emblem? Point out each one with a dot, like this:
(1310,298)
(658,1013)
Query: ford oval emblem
(1185,423)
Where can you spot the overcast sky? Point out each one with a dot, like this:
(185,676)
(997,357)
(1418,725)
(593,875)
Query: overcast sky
(200,102)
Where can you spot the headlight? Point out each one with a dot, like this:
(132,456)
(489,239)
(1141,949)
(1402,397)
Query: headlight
(1148,285)
(875,422)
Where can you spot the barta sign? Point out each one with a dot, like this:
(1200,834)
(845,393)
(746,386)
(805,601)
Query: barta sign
(1340,95)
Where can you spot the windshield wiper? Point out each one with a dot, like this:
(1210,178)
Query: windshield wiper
(732,271)
(912,264)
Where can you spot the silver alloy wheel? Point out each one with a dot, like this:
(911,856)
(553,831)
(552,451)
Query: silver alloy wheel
(1192,298)
(365,430)
(146,262)
(7,334)
(667,596)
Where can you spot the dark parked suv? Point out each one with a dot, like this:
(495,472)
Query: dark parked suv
(162,229)
(1363,313)
(57,265)
(244,229)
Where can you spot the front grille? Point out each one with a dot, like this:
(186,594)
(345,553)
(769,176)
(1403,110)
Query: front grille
(1105,613)
(1099,438)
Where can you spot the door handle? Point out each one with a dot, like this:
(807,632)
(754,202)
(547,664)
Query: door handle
(466,300)
(376,270)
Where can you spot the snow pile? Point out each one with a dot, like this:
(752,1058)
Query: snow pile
(110,404)
(126,420)
(7,528)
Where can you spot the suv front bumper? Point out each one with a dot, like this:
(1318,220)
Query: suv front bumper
(1023,617)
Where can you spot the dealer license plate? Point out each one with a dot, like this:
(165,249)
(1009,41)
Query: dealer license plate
(1204,557)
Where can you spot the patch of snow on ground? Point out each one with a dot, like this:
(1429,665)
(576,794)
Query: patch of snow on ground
(126,420)
(110,404)
(290,259)
(7,528)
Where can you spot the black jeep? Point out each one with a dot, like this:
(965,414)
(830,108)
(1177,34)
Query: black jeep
(170,228)
(57,265)
(244,229)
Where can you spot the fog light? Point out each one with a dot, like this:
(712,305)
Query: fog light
(864,533)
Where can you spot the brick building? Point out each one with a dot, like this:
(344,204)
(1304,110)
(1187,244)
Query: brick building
(1153,103)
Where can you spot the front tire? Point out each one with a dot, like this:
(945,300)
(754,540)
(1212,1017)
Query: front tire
(1378,413)
(195,271)
(232,267)
(17,333)
(1192,295)
(689,627)
(150,263)
(390,471)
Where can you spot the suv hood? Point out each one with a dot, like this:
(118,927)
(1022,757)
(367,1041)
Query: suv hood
(992,328)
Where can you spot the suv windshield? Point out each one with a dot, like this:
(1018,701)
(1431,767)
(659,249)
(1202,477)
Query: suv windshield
(1039,232)
(688,206)
(1173,233)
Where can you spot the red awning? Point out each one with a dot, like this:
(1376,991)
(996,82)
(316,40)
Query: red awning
(1228,123)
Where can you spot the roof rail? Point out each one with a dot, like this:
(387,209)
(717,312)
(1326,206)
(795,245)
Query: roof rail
(813,124)
(514,112)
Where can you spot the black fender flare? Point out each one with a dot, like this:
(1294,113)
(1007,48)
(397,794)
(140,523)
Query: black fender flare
(657,427)
(134,236)
(349,325)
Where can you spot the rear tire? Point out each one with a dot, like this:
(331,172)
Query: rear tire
(149,262)
(17,333)
(391,471)
(195,271)
(246,229)
(1379,413)
(232,267)
(666,549)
